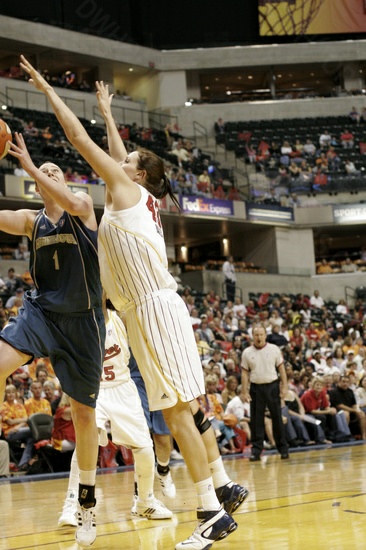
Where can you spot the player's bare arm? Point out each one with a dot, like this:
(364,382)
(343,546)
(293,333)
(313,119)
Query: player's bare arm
(18,222)
(103,164)
(51,184)
(116,147)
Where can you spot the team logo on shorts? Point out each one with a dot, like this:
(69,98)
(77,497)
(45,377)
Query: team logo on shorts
(164,396)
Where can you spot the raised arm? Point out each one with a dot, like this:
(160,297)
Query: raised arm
(103,164)
(117,149)
(77,204)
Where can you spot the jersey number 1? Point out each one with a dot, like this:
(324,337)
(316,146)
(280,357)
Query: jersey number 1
(55,259)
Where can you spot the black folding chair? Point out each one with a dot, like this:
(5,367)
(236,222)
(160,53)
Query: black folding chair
(41,426)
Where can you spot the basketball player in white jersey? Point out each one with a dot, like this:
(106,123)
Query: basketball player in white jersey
(134,272)
(119,403)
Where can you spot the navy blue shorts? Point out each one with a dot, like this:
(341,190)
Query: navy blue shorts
(155,419)
(74,343)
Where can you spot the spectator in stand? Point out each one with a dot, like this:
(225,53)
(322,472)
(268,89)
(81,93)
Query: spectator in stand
(351,169)
(228,270)
(239,308)
(347,139)
(241,409)
(348,267)
(286,152)
(63,433)
(325,140)
(14,425)
(360,394)
(204,184)
(318,362)
(30,130)
(343,399)
(16,300)
(309,148)
(296,413)
(295,170)
(50,393)
(12,281)
(214,411)
(338,334)
(21,252)
(180,152)
(230,391)
(354,115)
(334,160)
(324,268)
(298,147)
(219,127)
(363,115)
(316,403)
(37,404)
(316,300)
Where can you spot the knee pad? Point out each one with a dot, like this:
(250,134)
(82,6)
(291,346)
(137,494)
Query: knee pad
(202,423)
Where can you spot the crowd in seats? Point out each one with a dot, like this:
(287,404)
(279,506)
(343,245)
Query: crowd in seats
(309,155)
(319,339)
(65,79)
(342,263)
(190,170)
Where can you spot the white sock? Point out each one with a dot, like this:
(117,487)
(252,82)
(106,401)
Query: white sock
(207,499)
(219,474)
(87,477)
(144,469)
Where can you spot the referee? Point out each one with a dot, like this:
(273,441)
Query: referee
(262,364)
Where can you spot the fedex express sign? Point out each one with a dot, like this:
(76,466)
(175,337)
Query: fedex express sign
(203,205)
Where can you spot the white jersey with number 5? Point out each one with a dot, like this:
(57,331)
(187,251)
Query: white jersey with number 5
(132,253)
(117,355)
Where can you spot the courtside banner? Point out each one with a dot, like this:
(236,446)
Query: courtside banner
(349,213)
(269,213)
(29,188)
(192,204)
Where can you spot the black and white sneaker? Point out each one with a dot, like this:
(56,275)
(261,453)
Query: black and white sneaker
(231,497)
(213,526)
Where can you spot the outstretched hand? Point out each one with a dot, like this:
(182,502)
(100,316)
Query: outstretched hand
(20,151)
(35,78)
(104,98)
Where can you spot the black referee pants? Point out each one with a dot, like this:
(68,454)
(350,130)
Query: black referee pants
(266,395)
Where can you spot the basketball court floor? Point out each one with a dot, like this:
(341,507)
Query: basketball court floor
(314,500)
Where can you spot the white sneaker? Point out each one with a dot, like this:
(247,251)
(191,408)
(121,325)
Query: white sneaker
(150,508)
(167,484)
(174,455)
(68,515)
(213,526)
(86,533)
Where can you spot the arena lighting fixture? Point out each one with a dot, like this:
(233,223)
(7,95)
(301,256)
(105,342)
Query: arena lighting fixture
(93,121)
(188,103)
(131,69)
(4,107)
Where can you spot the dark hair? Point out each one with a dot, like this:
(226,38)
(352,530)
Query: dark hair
(157,182)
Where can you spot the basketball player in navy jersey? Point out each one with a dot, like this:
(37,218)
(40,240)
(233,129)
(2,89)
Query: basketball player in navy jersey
(134,273)
(62,318)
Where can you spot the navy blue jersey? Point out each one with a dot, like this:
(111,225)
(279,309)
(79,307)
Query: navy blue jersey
(64,265)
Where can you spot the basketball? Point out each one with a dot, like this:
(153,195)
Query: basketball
(5,139)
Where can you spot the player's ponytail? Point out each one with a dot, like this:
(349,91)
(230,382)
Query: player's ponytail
(157,182)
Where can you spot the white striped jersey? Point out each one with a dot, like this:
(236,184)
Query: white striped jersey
(117,354)
(132,253)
